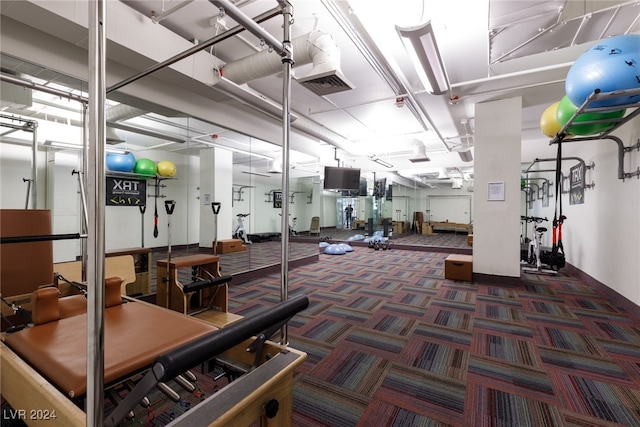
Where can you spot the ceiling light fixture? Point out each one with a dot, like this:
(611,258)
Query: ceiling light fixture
(421,46)
(72,146)
(266,175)
(379,161)
(201,140)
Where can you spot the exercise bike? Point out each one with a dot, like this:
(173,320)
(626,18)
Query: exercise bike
(292,226)
(534,248)
(239,232)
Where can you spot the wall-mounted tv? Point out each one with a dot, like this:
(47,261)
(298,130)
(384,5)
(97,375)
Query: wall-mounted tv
(337,178)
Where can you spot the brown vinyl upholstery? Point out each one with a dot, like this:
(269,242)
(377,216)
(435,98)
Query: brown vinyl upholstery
(45,306)
(72,305)
(112,296)
(136,333)
(25,266)
(48,307)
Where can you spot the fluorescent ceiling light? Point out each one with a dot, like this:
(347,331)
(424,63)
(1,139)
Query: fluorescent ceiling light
(69,145)
(421,46)
(305,169)
(380,162)
(266,175)
(224,147)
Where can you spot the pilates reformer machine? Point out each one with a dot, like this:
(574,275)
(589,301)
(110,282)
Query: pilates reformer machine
(43,365)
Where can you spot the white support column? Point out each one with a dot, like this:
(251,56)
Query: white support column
(497,157)
(216,171)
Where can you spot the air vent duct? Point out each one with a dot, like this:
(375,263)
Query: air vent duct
(419,153)
(274,167)
(315,47)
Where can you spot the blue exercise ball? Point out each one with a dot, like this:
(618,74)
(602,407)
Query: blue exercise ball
(118,162)
(334,249)
(324,244)
(346,247)
(610,65)
(355,237)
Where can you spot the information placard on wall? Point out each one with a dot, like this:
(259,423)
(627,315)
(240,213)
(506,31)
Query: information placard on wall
(126,191)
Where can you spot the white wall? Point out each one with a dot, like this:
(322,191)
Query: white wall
(15,164)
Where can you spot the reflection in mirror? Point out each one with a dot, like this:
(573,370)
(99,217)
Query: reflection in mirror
(426,212)
(240,174)
(213,166)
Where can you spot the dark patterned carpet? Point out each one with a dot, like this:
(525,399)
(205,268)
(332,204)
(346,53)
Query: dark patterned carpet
(393,343)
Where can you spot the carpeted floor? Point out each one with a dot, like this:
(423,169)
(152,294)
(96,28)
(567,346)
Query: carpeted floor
(393,343)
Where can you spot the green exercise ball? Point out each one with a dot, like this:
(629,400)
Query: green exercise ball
(566,110)
(145,167)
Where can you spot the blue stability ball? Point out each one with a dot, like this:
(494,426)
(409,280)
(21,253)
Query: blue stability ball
(118,162)
(356,237)
(324,244)
(347,248)
(610,65)
(334,249)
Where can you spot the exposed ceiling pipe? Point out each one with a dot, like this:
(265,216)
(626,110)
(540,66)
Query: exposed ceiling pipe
(315,46)
(249,24)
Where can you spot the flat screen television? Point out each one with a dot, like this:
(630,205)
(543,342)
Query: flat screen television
(337,178)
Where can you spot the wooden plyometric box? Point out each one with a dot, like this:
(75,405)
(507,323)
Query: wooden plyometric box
(230,245)
(458,267)
(470,239)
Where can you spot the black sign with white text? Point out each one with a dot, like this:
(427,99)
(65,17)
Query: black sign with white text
(576,180)
(126,192)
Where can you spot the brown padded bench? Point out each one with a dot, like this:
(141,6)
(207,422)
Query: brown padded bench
(136,333)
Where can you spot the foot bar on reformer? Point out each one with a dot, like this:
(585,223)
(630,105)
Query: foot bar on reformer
(208,283)
(202,349)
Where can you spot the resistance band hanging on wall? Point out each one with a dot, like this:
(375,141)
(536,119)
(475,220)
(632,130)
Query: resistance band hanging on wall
(558,216)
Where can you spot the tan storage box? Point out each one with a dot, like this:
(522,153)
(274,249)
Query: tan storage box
(470,239)
(458,267)
(230,245)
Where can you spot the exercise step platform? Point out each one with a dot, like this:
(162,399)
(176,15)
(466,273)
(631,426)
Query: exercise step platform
(230,245)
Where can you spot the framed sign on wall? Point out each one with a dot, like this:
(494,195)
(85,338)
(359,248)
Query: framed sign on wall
(495,191)
(277,199)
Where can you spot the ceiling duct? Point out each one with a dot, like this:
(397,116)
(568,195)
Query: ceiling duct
(315,47)
(419,153)
(442,174)
(274,167)
(465,155)
(115,114)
